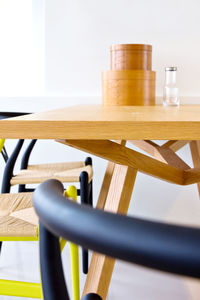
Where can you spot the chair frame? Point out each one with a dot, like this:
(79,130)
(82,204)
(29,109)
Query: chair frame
(162,246)
(33,290)
(85,192)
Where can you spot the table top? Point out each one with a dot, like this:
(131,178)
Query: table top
(111,122)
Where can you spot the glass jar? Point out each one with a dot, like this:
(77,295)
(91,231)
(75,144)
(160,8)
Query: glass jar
(170,93)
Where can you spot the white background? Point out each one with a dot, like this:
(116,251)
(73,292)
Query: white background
(52,54)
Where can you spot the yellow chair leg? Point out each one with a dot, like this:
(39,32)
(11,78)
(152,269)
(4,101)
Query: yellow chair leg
(20,289)
(2,141)
(71,192)
(75,271)
(33,290)
(62,244)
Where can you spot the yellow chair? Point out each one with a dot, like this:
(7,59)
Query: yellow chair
(18,222)
(66,172)
(3,150)
(2,141)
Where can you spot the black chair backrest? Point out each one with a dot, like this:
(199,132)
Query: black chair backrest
(161,246)
(26,155)
(8,171)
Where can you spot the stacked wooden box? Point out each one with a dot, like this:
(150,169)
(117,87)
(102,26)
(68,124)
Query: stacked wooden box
(131,80)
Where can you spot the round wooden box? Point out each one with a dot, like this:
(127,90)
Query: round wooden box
(128,87)
(131,57)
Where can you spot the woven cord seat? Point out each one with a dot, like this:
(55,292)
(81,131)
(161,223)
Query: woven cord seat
(17,217)
(65,172)
(19,222)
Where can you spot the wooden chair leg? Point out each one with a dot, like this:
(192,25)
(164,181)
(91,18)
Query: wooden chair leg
(118,198)
(195,151)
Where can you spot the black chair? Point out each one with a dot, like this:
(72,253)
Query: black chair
(161,246)
(36,173)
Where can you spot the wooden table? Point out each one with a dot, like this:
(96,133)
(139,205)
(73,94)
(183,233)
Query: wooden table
(103,131)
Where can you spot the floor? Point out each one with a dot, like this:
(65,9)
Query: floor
(18,259)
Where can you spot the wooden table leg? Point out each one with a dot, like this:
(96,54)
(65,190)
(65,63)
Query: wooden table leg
(195,151)
(107,180)
(118,198)
(105,185)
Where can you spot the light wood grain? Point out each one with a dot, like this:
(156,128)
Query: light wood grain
(147,146)
(191,176)
(97,122)
(118,198)
(172,158)
(174,145)
(105,185)
(128,87)
(195,151)
(106,181)
(163,154)
(131,57)
(122,155)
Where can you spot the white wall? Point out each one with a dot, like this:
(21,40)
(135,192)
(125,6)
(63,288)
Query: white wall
(22,48)
(77,39)
(79,33)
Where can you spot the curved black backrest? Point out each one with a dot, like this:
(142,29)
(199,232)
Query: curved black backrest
(26,155)
(8,171)
(53,281)
(166,247)
(24,165)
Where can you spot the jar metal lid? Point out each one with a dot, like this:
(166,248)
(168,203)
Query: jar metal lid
(171,69)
